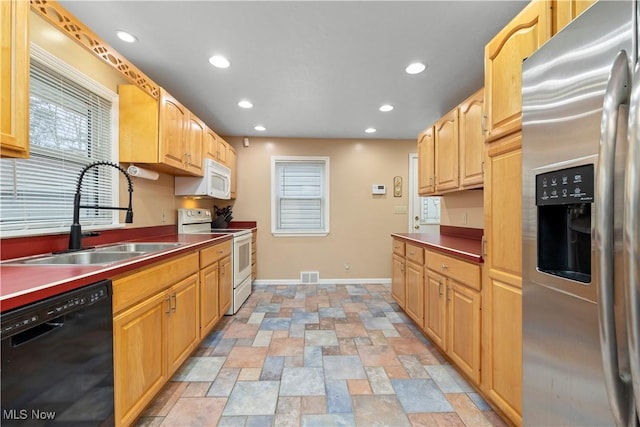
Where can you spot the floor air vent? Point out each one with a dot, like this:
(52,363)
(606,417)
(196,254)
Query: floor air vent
(309,277)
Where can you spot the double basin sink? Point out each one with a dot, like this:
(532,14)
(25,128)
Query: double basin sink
(99,256)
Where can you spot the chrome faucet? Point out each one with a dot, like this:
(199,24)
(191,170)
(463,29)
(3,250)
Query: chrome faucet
(75,235)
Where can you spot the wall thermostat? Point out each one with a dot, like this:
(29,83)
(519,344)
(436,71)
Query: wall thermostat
(378,189)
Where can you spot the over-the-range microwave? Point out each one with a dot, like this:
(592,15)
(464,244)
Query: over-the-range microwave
(216,182)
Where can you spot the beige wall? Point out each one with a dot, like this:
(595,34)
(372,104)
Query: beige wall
(150,198)
(360,223)
(462,209)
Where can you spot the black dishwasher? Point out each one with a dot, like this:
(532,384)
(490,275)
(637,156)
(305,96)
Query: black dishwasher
(57,360)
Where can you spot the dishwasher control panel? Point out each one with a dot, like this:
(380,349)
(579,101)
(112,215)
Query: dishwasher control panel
(23,318)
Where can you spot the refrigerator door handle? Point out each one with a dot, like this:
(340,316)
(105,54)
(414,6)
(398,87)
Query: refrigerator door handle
(631,236)
(617,94)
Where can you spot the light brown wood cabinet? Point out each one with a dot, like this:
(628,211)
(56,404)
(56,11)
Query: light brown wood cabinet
(502,295)
(161,313)
(155,328)
(442,295)
(182,325)
(162,134)
(453,310)
(446,152)
(398,283)
(211,281)
(503,67)
(14,78)
(414,283)
(398,291)
(217,147)
(140,342)
(436,308)
(471,142)
(565,11)
(196,132)
(232,163)
(426,165)
(450,153)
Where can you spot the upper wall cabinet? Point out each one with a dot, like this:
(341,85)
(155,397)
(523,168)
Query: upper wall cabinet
(450,153)
(164,135)
(14,78)
(503,67)
(426,169)
(217,148)
(471,141)
(232,163)
(446,158)
(565,11)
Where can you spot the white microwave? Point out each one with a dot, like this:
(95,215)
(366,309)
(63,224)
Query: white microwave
(216,182)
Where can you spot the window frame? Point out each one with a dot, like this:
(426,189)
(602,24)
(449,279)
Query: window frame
(325,199)
(57,65)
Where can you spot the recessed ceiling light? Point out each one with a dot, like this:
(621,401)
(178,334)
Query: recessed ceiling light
(260,128)
(415,68)
(370,130)
(386,107)
(126,37)
(219,61)
(245,104)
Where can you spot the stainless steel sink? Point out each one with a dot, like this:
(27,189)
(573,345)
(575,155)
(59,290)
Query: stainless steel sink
(99,256)
(139,247)
(79,258)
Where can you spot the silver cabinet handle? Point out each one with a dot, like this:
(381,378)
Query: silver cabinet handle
(175,302)
(617,94)
(168,305)
(631,236)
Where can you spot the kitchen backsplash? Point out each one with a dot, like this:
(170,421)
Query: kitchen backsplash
(463,209)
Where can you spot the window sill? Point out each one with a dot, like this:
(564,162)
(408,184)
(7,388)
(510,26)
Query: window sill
(301,234)
(6,234)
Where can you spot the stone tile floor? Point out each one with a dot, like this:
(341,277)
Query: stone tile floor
(318,355)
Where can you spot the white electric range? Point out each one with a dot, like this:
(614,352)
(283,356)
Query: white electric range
(198,221)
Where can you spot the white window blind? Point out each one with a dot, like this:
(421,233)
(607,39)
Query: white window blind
(70,127)
(300,195)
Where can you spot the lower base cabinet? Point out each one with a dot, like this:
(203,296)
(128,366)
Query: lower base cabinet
(139,357)
(463,321)
(442,294)
(435,309)
(161,313)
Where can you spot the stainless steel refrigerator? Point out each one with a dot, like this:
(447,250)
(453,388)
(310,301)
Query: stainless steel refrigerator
(581,210)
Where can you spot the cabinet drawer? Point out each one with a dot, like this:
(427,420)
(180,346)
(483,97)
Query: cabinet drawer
(461,271)
(415,254)
(398,247)
(214,253)
(132,288)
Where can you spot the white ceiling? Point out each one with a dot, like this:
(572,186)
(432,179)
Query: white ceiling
(316,69)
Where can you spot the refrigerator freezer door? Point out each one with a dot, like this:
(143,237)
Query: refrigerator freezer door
(564,86)
(631,230)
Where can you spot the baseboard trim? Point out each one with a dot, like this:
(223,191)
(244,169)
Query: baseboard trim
(361,281)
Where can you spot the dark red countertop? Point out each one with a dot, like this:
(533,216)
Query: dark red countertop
(461,242)
(24,284)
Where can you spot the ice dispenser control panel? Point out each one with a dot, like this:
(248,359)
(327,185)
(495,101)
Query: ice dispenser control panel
(566,186)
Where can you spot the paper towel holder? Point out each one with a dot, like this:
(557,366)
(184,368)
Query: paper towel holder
(139,172)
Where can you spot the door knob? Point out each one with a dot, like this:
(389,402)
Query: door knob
(416,226)
(417,218)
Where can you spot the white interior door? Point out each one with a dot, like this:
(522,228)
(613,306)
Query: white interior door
(424,212)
